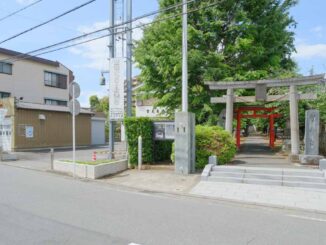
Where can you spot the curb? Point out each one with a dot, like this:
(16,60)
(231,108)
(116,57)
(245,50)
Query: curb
(175,194)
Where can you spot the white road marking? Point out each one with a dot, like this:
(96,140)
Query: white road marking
(307,218)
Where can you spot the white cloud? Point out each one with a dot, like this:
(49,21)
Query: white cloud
(317,29)
(309,51)
(25,2)
(96,52)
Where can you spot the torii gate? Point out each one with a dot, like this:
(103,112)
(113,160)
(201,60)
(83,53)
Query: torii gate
(271,116)
(261,95)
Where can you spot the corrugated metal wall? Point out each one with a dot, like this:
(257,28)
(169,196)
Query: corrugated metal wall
(54,131)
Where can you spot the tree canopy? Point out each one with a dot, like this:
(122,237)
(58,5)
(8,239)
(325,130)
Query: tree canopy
(99,104)
(233,40)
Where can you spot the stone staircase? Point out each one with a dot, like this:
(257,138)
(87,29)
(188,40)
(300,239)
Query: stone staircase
(303,178)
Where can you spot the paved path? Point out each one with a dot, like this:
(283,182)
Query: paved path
(43,208)
(154,179)
(254,151)
(273,196)
(41,159)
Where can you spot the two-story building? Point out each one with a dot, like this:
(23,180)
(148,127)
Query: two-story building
(35,92)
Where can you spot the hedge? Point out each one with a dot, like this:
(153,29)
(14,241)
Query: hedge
(212,140)
(135,127)
(162,150)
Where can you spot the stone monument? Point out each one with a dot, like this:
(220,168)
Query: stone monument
(311,139)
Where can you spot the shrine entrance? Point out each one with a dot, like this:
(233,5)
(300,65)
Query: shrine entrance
(262,96)
(255,112)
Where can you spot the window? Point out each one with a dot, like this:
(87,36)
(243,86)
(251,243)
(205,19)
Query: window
(4,95)
(5,68)
(55,102)
(55,80)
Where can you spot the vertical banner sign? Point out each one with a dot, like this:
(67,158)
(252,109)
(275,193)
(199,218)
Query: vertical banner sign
(117,88)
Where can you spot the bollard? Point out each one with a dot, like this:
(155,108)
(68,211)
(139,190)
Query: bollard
(52,157)
(140,152)
(212,160)
(94,156)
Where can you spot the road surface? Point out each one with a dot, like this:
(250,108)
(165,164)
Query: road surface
(45,208)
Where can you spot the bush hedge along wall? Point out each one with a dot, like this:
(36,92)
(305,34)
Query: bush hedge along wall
(136,127)
(212,141)
(162,150)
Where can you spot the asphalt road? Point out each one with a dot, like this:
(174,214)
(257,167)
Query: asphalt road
(44,208)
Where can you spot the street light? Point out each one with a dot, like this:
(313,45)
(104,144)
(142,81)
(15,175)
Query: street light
(102,80)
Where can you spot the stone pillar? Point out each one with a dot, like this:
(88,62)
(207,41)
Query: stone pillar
(294,121)
(229,110)
(311,139)
(185,146)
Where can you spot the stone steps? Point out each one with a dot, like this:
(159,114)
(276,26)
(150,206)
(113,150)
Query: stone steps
(269,176)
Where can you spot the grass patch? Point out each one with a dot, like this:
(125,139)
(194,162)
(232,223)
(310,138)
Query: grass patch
(97,162)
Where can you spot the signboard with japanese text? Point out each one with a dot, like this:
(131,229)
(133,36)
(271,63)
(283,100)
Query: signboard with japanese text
(116,89)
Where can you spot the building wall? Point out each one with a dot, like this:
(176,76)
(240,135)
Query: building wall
(27,81)
(54,131)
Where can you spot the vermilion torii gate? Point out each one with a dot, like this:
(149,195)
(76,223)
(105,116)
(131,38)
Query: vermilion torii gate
(261,96)
(268,113)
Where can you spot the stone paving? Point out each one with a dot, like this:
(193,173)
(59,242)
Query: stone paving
(255,152)
(277,196)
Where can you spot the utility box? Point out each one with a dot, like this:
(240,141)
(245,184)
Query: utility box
(185,150)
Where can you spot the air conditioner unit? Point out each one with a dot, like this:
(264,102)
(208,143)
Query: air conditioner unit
(41,117)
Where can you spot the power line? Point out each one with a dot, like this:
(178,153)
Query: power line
(20,10)
(48,21)
(99,30)
(120,32)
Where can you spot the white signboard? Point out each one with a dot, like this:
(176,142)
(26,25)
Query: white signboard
(116,87)
(29,131)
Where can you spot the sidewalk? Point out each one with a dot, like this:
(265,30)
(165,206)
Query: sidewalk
(155,179)
(274,196)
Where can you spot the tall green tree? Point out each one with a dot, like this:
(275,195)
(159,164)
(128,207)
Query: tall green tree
(233,40)
(99,104)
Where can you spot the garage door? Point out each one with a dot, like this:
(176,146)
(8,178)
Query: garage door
(98,132)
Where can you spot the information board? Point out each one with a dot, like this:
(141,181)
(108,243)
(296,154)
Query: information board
(116,89)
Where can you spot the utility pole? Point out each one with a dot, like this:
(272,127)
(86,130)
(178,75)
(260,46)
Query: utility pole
(184,57)
(111,55)
(184,121)
(129,58)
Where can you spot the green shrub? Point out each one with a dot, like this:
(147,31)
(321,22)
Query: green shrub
(135,127)
(162,150)
(212,141)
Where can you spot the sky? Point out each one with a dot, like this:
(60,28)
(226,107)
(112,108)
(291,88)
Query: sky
(88,60)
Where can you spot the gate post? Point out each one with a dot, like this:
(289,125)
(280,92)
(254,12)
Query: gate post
(271,131)
(229,111)
(294,119)
(238,133)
